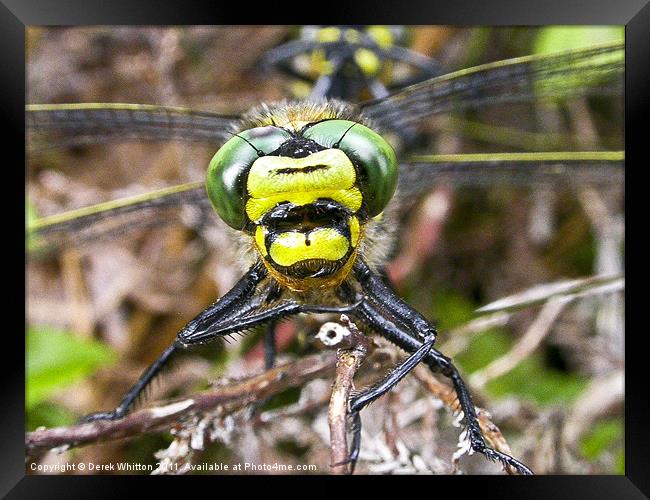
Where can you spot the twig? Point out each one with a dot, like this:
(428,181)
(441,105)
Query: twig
(503,309)
(165,415)
(525,346)
(353,347)
(459,338)
(601,395)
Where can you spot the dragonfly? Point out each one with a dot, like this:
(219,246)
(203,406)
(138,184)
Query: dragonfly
(343,62)
(318,236)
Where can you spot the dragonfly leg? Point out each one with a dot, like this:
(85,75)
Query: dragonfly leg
(269,345)
(238,310)
(135,391)
(439,363)
(363,399)
(379,292)
(224,308)
(405,322)
(239,299)
(244,322)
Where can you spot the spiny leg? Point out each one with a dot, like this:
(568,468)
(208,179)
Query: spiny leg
(382,295)
(238,310)
(130,397)
(374,285)
(437,362)
(404,323)
(226,307)
(251,320)
(363,399)
(270,350)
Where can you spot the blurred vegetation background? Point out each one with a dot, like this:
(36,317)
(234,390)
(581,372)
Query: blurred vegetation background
(98,314)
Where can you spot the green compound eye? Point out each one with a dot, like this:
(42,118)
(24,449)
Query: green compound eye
(376,159)
(225,181)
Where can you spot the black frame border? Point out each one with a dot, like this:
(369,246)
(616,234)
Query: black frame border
(15,15)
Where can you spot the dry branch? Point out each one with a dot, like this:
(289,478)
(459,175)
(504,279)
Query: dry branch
(353,349)
(165,415)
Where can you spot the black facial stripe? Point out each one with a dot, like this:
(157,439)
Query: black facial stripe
(323,212)
(304,170)
(344,229)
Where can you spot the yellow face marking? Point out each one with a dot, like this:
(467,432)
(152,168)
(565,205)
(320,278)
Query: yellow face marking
(259,240)
(257,207)
(265,177)
(325,174)
(291,247)
(354,231)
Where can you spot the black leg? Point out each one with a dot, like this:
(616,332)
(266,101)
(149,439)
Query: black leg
(405,322)
(437,362)
(241,323)
(230,305)
(232,302)
(237,311)
(135,391)
(219,329)
(387,300)
(269,345)
(360,401)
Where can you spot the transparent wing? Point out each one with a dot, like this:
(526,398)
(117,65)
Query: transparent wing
(596,70)
(92,123)
(569,169)
(113,218)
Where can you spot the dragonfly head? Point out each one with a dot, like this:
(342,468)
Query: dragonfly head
(303,189)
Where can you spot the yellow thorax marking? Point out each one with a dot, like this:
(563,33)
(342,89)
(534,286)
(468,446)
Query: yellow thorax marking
(325,174)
